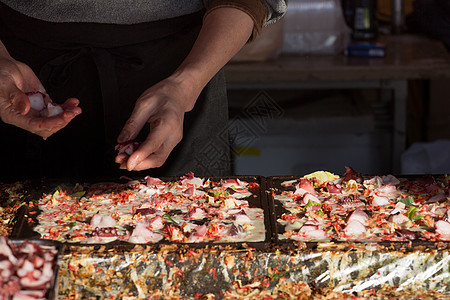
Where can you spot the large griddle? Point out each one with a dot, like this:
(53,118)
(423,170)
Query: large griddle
(390,269)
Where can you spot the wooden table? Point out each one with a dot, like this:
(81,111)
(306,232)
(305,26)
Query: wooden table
(407,57)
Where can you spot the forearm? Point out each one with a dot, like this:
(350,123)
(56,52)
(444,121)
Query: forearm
(224,32)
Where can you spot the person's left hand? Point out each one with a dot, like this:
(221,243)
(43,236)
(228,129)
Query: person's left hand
(163,107)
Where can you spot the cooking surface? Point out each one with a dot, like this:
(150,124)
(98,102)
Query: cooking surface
(273,267)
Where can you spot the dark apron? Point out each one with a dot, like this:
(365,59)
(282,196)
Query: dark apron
(107,67)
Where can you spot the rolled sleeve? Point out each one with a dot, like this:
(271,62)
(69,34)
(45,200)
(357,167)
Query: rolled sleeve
(256,9)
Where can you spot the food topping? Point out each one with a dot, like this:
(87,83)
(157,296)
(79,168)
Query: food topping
(375,208)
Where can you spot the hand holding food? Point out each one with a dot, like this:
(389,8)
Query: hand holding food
(37,102)
(163,107)
(24,103)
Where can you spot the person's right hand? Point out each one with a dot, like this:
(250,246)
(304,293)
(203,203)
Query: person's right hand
(16,79)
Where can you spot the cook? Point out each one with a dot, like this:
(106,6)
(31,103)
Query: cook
(126,64)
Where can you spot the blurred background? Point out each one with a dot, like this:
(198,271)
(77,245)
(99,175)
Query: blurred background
(344,83)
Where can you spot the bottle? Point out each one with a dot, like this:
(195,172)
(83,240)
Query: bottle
(397,16)
(364,22)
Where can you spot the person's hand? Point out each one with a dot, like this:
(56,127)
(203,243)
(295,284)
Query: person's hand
(162,106)
(17,79)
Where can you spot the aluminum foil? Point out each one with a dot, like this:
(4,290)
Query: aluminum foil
(329,270)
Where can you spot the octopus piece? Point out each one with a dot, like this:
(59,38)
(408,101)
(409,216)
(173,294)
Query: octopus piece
(240,203)
(358,215)
(6,269)
(188,176)
(314,208)
(197,182)
(142,233)
(190,191)
(304,186)
(102,221)
(241,217)
(200,231)
(398,218)
(126,148)
(311,231)
(22,275)
(354,228)
(436,211)
(52,110)
(443,228)
(10,287)
(28,248)
(25,268)
(400,207)
(387,190)
(351,174)
(195,213)
(156,223)
(29,295)
(334,188)
(37,102)
(5,250)
(40,283)
(380,201)
(152,181)
(407,234)
(105,232)
(235,230)
(307,197)
(375,181)
(156,200)
(351,201)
